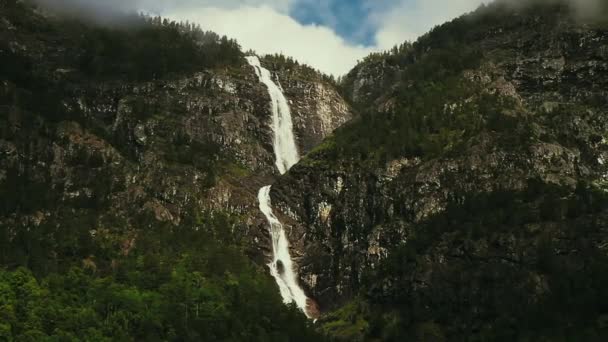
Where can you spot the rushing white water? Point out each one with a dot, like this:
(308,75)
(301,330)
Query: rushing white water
(285,149)
(281,266)
(286,154)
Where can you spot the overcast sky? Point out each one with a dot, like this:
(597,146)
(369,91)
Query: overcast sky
(330,35)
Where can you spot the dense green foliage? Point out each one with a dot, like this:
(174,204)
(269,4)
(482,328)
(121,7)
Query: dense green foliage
(199,286)
(140,48)
(152,49)
(295,69)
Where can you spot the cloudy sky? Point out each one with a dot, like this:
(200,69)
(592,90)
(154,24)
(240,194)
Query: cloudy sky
(330,35)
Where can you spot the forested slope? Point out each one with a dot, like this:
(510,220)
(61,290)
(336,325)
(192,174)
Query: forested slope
(469,201)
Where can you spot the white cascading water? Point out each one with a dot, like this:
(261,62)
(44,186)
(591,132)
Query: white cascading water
(286,155)
(281,266)
(285,150)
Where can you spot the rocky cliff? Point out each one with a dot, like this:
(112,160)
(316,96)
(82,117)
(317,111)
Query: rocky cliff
(472,189)
(124,154)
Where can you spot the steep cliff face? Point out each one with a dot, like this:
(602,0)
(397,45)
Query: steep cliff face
(316,106)
(127,154)
(481,162)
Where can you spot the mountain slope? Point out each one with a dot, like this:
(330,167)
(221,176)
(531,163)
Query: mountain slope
(469,201)
(130,159)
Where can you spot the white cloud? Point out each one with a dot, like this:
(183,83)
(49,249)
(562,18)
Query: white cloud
(196,5)
(265,26)
(266,31)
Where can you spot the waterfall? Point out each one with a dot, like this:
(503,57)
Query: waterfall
(286,155)
(285,149)
(281,266)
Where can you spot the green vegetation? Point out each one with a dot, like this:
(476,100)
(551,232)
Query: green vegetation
(550,288)
(153,49)
(347,323)
(433,111)
(172,283)
(286,64)
(199,286)
(140,48)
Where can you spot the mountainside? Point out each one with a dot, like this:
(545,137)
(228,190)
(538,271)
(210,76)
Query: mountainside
(131,156)
(470,199)
(451,189)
